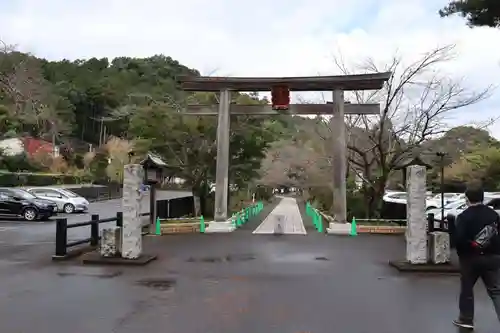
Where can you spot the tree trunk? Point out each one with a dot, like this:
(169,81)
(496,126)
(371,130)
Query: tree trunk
(201,191)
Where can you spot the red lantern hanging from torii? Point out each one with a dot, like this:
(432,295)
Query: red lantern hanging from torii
(280,97)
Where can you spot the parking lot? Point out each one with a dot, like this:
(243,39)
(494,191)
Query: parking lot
(18,236)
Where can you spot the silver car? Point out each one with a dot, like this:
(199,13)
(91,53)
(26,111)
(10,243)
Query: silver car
(67,201)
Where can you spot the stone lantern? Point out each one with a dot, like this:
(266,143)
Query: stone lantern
(154,169)
(417,160)
(154,173)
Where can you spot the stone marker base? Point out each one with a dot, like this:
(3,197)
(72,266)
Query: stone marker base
(405,266)
(343,229)
(219,227)
(94,258)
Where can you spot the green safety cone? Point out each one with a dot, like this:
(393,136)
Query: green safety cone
(158,227)
(354,229)
(202,224)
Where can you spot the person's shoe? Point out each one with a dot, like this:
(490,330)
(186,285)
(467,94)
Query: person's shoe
(463,323)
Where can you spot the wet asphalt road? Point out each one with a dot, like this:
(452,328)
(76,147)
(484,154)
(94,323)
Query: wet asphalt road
(229,283)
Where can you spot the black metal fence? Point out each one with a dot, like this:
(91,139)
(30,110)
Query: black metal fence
(99,192)
(62,226)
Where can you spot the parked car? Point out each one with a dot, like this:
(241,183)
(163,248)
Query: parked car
(402,197)
(435,201)
(491,200)
(67,201)
(17,202)
(453,208)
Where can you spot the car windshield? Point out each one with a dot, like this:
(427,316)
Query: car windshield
(69,193)
(22,194)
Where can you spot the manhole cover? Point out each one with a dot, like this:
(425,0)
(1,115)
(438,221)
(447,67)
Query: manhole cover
(158,284)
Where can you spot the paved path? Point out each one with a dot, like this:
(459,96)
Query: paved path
(288,210)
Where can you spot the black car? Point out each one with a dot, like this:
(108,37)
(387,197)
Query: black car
(17,202)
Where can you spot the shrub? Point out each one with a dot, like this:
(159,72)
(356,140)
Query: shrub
(18,163)
(40,179)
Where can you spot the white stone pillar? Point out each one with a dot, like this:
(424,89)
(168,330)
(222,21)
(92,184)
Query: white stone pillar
(416,230)
(133,178)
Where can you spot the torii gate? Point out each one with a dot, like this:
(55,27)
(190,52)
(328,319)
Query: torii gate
(282,86)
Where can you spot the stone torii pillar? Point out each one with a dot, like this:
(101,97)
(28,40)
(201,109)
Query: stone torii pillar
(222,166)
(339,147)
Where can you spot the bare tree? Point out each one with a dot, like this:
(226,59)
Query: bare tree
(295,163)
(28,96)
(415,104)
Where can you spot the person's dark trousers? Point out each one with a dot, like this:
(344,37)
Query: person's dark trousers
(486,267)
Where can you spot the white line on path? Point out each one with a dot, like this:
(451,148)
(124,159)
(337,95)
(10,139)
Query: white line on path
(293,224)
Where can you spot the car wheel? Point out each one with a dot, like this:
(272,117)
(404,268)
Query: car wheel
(69,208)
(431,207)
(29,214)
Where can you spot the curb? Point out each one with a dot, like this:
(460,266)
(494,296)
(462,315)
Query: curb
(382,230)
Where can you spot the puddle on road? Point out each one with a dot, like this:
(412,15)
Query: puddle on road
(298,257)
(157,284)
(228,258)
(90,272)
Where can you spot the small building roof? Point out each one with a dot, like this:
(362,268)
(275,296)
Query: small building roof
(155,160)
(417,160)
(307,83)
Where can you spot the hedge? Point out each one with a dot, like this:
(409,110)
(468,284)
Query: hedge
(39,179)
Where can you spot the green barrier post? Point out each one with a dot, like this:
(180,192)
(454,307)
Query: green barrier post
(158,227)
(202,224)
(354,229)
(320,223)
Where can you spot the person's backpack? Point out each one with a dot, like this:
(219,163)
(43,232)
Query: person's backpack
(485,236)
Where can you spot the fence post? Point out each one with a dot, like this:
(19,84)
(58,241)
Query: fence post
(451,229)
(320,223)
(119,219)
(94,230)
(61,237)
(430,222)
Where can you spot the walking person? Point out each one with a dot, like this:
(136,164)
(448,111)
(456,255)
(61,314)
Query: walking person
(477,243)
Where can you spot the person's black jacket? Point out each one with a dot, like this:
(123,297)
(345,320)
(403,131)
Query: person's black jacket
(469,223)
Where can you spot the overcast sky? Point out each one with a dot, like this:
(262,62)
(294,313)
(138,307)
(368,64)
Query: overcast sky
(257,38)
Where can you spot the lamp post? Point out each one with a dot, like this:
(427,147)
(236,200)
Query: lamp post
(441,156)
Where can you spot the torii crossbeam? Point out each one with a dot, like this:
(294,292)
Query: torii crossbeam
(338,108)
